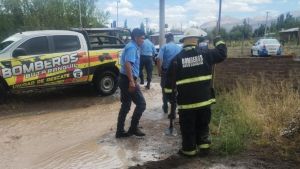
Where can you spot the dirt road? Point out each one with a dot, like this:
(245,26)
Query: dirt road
(73,128)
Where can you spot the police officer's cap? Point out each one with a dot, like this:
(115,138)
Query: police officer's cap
(136,32)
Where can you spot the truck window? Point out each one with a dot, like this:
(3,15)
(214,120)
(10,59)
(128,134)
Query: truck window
(110,40)
(66,43)
(3,45)
(37,45)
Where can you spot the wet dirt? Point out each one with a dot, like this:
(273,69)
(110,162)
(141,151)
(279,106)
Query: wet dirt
(74,128)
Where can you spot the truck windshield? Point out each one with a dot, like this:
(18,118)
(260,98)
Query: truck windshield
(7,42)
(3,45)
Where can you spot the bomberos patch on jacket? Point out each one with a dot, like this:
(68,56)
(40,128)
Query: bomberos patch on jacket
(192,61)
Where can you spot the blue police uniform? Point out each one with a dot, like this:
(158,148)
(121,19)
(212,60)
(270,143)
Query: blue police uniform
(130,54)
(147,52)
(165,55)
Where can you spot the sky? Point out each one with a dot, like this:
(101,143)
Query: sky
(186,13)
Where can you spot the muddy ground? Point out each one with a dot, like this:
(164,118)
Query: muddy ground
(74,128)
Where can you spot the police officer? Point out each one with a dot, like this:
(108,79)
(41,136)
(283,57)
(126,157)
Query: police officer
(165,55)
(130,91)
(193,74)
(147,54)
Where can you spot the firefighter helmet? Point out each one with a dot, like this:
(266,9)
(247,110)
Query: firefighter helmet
(192,32)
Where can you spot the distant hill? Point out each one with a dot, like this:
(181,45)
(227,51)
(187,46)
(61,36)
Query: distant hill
(228,22)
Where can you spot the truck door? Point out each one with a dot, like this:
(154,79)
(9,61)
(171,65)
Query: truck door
(26,65)
(46,61)
(74,58)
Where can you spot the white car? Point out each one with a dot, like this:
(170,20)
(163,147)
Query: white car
(266,47)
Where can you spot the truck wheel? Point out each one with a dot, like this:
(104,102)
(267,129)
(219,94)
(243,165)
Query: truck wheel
(106,83)
(3,93)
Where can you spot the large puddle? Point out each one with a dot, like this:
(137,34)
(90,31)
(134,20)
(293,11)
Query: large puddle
(82,136)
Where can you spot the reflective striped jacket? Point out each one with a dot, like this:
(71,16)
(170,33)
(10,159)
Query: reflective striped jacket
(193,74)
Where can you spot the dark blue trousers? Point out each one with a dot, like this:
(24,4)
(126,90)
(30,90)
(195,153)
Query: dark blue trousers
(162,84)
(146,61)
(194,127)
(126,99)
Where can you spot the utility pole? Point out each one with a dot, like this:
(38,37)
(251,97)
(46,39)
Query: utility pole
(266,23)
(147,29)
(161,22)
(118,1)
(181,27)
(244,27)
(80,20)
(219,19)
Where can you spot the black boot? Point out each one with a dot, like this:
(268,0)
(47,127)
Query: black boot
(148,85)
(122,134)
(136,132)
(165,108)
(141,81)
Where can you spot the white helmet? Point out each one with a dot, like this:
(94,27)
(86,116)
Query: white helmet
(193,32)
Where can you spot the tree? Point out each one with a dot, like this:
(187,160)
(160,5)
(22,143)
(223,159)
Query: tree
(25,15)
(223,33)
(260,31)
(240,32)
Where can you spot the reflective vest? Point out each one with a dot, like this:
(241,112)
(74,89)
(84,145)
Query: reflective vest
(193,75)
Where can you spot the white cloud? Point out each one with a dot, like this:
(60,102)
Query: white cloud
(238,6)
(190,13)
(199,13)
(251,1)
(125,8)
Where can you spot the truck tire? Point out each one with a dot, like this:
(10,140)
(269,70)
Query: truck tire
(3,93)
(106,83)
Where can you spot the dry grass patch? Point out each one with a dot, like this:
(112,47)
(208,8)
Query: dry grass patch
(264,113)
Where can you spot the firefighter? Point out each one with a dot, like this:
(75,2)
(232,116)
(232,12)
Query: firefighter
(130,91)
(193,74)
(165,55)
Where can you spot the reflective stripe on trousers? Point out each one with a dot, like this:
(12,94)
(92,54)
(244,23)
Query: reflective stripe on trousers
(203,146)
(197,105)
(167,90)
(189,153)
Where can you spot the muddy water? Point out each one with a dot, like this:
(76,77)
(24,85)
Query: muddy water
(72,129)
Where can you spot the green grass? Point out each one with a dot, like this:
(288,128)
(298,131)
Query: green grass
(252,115)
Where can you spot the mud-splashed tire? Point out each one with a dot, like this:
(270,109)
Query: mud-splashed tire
(106,83)
(3,93)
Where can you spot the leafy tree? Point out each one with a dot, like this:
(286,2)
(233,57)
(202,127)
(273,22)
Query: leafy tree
(223,33)
(240,32)
(16,15)
(260,31)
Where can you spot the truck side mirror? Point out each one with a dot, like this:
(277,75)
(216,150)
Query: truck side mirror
(19,52)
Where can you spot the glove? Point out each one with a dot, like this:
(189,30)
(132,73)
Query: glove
(217,39)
